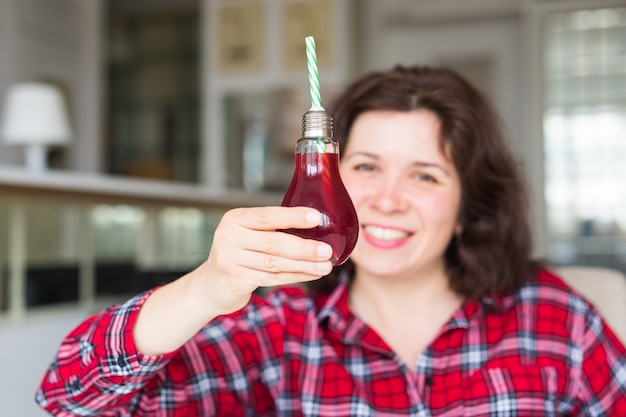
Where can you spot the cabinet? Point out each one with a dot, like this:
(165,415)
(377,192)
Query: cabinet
(256,87)
(153,102)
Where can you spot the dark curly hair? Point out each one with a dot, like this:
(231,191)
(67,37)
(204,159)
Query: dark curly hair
(492,254)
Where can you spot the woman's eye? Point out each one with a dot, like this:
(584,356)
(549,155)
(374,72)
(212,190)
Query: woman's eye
(426,178)
(364,167)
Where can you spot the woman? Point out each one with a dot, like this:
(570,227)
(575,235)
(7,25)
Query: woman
(440,310)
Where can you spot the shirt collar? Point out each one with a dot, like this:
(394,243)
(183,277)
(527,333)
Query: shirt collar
(335,309)
(336,313)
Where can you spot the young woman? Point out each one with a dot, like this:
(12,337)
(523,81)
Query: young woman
(439,311)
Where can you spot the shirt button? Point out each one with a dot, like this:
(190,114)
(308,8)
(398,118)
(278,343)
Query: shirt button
(121,362)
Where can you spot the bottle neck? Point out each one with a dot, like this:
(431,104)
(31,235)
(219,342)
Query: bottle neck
(317,145)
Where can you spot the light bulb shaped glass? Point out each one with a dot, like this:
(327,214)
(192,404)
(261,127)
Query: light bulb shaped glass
(317,183)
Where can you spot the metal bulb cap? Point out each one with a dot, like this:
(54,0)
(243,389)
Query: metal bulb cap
(317,123)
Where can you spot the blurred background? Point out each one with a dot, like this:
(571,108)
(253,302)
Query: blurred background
(177,110)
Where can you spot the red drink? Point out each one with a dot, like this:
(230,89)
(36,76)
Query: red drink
(316,183)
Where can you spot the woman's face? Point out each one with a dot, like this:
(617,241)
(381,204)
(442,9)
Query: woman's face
(405,190)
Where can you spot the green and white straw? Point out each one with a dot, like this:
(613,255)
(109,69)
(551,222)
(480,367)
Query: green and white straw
(314,82)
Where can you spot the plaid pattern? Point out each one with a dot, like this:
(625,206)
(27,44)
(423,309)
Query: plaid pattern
(543,351)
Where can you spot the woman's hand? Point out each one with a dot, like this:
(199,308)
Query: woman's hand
(247,252)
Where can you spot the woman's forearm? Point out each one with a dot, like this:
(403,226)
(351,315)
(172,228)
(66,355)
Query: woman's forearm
(171,316)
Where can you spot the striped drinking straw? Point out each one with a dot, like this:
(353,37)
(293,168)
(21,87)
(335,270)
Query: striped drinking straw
(314,82)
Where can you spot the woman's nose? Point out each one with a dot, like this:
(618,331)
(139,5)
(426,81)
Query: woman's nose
(387,196)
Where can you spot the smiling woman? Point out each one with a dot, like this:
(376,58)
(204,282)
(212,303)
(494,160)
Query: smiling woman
(439,311)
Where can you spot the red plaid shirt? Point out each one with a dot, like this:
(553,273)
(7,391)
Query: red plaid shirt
(543,351)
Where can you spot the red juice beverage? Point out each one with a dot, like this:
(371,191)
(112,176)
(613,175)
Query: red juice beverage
(316,183)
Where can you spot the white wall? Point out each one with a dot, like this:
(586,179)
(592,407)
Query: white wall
(26,349)
(8,67)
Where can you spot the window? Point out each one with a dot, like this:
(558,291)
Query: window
(585,136)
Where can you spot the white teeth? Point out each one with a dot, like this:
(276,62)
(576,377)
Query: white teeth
(385,234)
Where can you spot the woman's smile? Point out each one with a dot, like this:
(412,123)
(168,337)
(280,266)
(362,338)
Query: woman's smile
(385,237)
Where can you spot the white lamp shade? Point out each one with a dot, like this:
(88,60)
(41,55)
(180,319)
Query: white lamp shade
(34,114)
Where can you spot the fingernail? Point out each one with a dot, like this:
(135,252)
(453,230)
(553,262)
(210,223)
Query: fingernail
(313,217)
(324,251)
(322,266)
